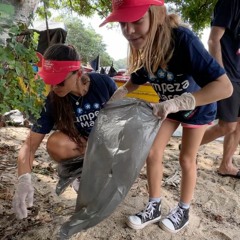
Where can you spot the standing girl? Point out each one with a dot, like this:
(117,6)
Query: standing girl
(188,81)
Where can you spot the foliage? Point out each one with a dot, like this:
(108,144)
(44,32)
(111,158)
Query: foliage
(196,12)
(120,64)
(88,43)
(18,87)
(81,7)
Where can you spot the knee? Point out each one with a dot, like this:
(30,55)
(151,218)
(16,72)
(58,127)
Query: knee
(56,147)
(53,142)
(227,128)
(187,163)
(154,158)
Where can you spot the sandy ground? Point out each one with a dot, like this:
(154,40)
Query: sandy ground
(215,210)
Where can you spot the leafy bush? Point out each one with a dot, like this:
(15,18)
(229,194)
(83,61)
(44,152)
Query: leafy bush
(19,87)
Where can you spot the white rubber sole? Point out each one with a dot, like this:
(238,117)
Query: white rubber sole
(166,229)
(136,226)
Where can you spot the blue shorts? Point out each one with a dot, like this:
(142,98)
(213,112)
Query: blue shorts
(186,125)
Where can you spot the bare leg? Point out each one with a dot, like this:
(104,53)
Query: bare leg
(61,147)
(179,216)
(230,144)
(218,130)
(154,160)
(231,133)
(191,140)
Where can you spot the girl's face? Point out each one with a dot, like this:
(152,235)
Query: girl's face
(67,85)
(136,32)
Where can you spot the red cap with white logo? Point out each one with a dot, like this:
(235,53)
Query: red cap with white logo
(129,10)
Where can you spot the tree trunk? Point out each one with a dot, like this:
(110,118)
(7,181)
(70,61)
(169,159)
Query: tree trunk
(13,12)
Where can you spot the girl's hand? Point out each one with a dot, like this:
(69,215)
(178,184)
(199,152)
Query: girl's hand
(120,93)
(23,196)
(184,102)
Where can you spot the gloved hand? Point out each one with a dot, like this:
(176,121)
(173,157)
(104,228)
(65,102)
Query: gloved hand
(120,93)
(182,103)
(23,196)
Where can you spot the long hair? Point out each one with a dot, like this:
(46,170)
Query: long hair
(63,110)
(160,44)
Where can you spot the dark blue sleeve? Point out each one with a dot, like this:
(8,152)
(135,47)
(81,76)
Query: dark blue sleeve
(105,85)
(202,66)
(45,122)
(139,77)
(111,85)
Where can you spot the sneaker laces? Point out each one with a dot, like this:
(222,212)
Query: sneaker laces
(176,215)
(148,212)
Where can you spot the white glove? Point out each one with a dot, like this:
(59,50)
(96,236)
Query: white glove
(182,103)
(120,93)
(23,196)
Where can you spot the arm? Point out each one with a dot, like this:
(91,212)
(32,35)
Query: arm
(214,44)
(131,86)
(27,152)
(122,91)
(23,196)
(216,90)
(219,89)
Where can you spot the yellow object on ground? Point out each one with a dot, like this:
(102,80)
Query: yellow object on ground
(145,92)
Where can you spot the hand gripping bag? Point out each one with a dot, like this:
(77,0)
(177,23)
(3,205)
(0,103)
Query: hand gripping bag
(117,148)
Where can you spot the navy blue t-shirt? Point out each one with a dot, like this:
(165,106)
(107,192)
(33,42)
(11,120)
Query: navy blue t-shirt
(227,15)
(100,90)
(190,68)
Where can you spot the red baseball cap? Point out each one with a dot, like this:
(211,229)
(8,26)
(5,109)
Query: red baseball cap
(129,10)
(54,72)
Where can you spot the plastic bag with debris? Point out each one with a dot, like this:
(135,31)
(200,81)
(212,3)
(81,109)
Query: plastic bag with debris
(118,146)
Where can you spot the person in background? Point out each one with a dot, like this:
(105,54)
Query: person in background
(224,46)
(72,107)
(187,79)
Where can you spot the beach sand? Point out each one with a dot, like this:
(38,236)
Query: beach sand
(214,215)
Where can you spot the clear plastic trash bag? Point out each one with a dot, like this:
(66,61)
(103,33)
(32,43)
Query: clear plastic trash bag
(117,148)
